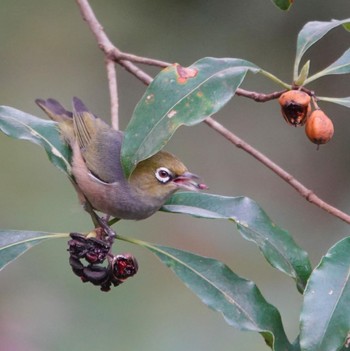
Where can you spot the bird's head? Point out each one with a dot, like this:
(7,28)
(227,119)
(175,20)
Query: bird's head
(161,175)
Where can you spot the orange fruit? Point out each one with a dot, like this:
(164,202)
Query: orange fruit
(295,106)
(319,127)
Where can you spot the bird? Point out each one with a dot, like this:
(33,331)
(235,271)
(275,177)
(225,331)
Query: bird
(97,169)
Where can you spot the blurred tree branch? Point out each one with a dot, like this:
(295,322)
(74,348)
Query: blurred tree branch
(114,55)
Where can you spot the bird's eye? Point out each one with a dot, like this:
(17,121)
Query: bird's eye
(163,175)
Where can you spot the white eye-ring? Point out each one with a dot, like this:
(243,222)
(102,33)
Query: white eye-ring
(163,175)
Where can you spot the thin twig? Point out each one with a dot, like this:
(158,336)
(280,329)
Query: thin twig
(139,59)
(136,71)
(126,61)
(89,16)
(109,49)
(113,92)
(259,97)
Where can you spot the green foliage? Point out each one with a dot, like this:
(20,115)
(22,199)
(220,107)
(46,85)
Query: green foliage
(303,74)
(325,318)
(21,125)
(340,66)
(277,246)
(283,4)
(179,96)
(186,96)
(310,34)
(345,101)
(14,243)
(239,300)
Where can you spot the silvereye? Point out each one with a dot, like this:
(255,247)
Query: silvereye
(97,169)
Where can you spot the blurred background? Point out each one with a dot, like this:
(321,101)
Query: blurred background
(48,51)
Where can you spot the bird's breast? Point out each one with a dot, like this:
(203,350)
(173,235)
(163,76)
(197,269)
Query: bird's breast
(117,199)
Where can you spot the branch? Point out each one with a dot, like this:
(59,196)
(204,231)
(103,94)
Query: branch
(112,53)
(308,194)
(259,97)
(113,92)
(106,45)
(136,71)
(139,59)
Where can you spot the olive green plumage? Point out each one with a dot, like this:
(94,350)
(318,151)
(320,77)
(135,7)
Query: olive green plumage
(97,169)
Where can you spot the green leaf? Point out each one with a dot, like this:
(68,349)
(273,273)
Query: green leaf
(345,101)
(347,26)
(311,33)
(303,74)
(340,66)
(283,4)
(325,317)
(21,125)
(239,300)
(277,246)
(179,96)
(14,243)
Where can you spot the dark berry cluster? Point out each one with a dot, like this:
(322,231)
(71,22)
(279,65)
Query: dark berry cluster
(92,261)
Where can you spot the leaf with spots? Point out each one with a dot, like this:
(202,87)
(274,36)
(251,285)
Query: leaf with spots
(180,96)
(21,125)
(276,244)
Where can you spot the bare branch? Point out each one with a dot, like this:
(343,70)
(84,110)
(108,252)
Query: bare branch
(89,16)
(127,61)
(136,71)
(113,93)
(308,194)
(143,60)
(259,97)
(109,49)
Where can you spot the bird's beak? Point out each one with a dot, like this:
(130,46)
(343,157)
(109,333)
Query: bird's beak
(189,181)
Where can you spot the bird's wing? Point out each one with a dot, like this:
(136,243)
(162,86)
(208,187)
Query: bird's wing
(99,144)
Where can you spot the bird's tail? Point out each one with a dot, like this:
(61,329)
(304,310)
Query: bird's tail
(54,110)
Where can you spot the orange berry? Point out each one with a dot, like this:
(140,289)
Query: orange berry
(319,128)
(295,106)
